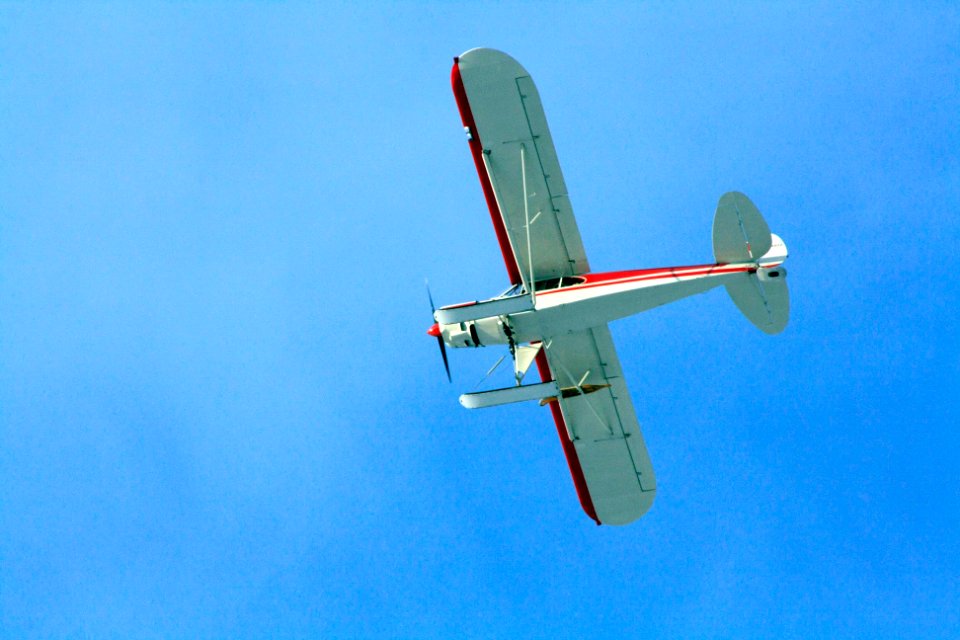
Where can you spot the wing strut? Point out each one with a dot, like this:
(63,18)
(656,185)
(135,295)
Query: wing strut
(526,217)
(582,392)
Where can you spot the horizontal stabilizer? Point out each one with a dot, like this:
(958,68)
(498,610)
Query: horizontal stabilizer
(763,298)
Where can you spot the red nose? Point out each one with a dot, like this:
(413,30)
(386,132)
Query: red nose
(434,330)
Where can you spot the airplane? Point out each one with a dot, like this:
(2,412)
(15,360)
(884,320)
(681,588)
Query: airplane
(556,310)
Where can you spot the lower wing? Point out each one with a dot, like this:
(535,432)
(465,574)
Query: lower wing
(598,426)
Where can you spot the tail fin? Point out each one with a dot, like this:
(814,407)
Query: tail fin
(740,234)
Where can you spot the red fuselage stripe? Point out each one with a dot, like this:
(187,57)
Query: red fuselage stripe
(476,148)
(625,277)
(568,449)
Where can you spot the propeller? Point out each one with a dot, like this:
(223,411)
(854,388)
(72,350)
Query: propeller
(434,331)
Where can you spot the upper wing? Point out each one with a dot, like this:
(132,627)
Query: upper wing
(599,430)
(501,109)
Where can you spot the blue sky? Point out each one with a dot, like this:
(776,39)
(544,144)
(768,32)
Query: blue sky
(220,415)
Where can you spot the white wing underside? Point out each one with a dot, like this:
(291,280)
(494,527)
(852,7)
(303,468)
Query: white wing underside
(603,425)
(508,114)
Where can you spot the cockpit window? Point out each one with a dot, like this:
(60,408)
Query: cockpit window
(545,285)
(551,283)
(515,290)
(558,283)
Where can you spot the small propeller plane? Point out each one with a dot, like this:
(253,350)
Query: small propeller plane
(556,311)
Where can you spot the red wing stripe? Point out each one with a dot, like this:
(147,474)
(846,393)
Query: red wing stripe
(476,148)
(568,449)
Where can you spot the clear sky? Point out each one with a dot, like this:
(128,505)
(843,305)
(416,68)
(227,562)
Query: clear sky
(220,415)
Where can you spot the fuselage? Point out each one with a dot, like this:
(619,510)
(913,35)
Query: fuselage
(576,303)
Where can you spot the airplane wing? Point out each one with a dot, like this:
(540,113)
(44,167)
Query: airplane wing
(514,154)
(599,429)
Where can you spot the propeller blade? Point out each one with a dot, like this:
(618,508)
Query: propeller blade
(435,331)
(443,352)
(433,307)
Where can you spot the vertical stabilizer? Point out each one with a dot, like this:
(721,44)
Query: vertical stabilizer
(740,234)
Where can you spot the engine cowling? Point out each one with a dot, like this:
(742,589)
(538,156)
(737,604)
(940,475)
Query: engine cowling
(476,333)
